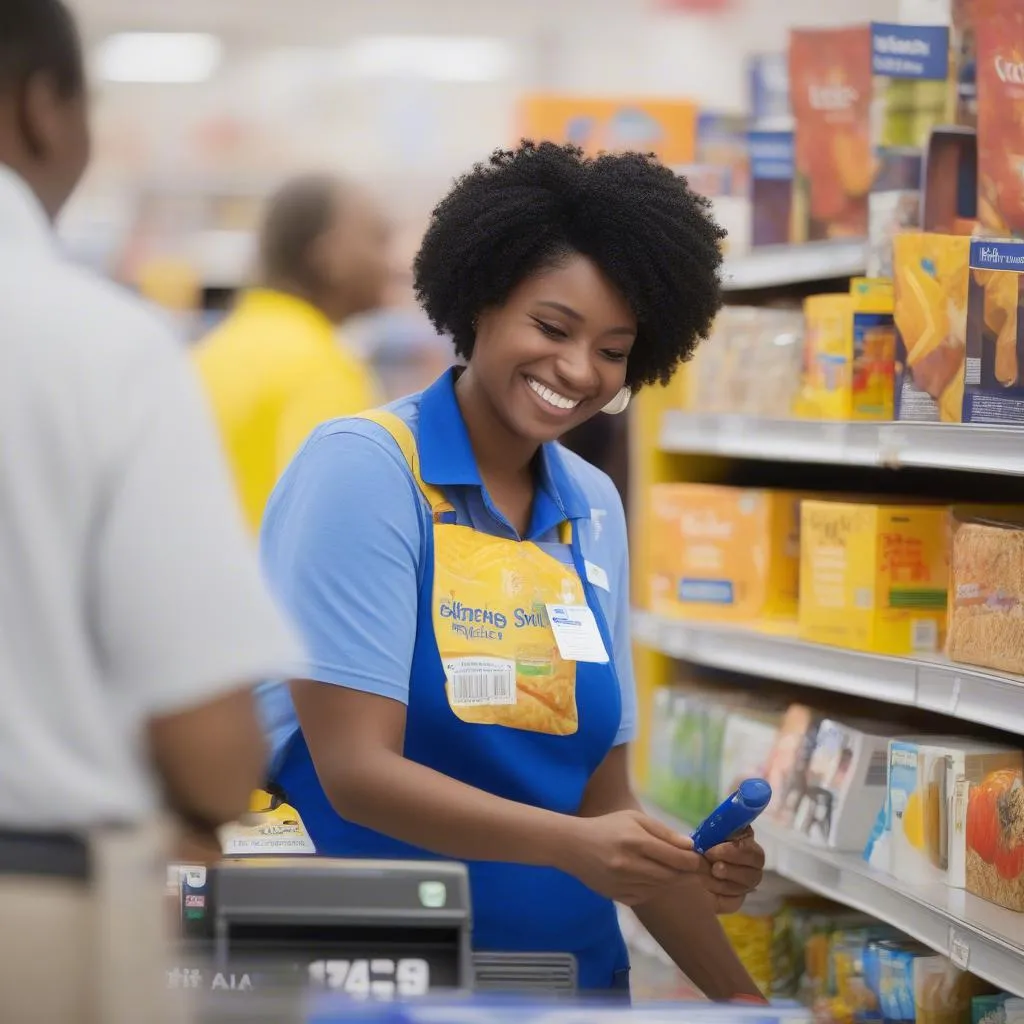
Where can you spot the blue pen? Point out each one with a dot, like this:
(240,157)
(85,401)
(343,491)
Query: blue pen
(733,815)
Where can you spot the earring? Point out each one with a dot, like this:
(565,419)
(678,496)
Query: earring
(620,403)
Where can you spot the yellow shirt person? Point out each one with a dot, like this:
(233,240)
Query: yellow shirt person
(275,368)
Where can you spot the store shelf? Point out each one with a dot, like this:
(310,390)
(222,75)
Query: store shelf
(774,266)
(960,691)
(978,936)
(966,448)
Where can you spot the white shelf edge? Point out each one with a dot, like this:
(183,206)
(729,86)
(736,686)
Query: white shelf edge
(775,266)
(937,685)
(966,448)
(935,915)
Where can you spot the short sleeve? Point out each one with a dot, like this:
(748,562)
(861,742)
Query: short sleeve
(341,547)
(622,640)
(178,604)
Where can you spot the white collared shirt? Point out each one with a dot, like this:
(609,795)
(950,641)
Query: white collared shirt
(129,587)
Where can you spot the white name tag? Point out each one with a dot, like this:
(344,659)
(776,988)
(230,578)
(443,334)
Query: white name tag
(576,633)
(597,576)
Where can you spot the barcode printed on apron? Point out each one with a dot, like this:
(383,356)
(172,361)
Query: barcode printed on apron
(481,681)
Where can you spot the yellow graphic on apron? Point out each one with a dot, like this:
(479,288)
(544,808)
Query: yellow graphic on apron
(501,663)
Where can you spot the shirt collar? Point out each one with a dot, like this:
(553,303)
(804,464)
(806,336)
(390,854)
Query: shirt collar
(22,217)
(446,458)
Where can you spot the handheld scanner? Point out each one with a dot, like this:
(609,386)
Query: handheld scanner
(733,815)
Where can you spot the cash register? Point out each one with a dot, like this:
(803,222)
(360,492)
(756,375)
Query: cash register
(369,929)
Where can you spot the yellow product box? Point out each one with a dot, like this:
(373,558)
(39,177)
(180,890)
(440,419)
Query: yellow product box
(849,353)
(930,308)
(874,577)
(724,553)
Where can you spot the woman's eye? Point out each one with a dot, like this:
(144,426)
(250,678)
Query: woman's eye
(549,330)
(614,355)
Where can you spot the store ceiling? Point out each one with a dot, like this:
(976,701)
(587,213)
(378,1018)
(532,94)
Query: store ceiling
(298,22)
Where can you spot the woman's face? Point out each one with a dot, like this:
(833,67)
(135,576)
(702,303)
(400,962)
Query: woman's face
(555,353)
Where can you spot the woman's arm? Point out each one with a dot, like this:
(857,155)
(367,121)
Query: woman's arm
(355,740)
(682,916)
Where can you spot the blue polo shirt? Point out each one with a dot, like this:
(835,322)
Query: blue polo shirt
(346,533)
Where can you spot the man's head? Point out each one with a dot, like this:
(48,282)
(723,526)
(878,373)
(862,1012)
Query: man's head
(44,132)
(328,242)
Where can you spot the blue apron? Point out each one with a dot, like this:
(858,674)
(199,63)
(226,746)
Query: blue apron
(516,908)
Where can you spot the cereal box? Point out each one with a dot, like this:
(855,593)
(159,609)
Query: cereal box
(849,354)
(987,595)
(1000,43)
(994,376)
(930,277)
(873,577)
(724,553)
(831,91)
(771,189)
(894,205)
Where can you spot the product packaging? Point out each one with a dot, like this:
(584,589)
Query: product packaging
(989,842)
(911,91)
(771,186)
(922,804)
(989,1009)
(747,745)
(787,764)
(994,380)
(986,619)
(930,309)
(724,554)
(874,577)
(831,93)
(838,799)
(849,354)
(768,86)
(751,364)
(951,182)
(1000,73)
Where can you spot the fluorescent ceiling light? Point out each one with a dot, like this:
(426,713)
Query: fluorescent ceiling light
(171,57)
(439,58)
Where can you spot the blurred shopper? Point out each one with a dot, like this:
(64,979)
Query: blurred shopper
(132,614)
(276,368)
(423,549)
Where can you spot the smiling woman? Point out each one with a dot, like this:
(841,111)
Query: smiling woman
(462,581)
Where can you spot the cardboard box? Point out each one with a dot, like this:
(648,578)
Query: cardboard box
(747,745)
(787,765)
(930,283)
(986,615)
(874,577)
(845,785)
(894,205)
(771,190)
(923,777)
(831,94)
(987,845)
(1000,69)
(994,378)
(951,182)
(751,364)
(724,553)
(849,354)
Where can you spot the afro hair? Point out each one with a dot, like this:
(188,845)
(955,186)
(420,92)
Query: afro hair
(533,207)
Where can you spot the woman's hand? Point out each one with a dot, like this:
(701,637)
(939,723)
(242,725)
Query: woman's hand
(628,857)
(737,868)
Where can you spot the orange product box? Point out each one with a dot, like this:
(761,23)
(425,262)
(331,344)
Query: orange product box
(725,553)
(1000,45)
(831,86)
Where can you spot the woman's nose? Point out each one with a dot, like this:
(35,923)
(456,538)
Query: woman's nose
(575,365)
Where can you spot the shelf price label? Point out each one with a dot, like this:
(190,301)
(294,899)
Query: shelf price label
(380,978)
(959,949)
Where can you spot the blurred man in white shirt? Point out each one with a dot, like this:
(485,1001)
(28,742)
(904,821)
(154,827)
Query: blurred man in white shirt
(133,618)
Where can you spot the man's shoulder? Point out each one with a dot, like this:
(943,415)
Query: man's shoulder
(63,305)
